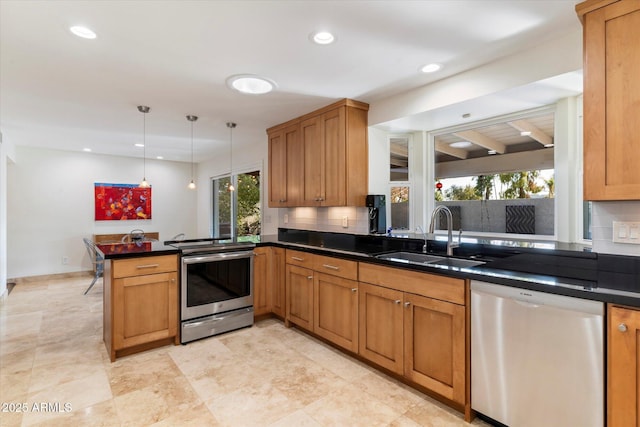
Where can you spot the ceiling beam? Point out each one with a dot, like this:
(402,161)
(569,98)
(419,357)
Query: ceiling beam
(536,133)
(482,140)
(489,165)
(399,150)
(445,148)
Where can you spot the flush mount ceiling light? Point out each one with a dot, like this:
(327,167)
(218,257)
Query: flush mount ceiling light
(192,184)
(525,133)
(460,144)
(83,32)
(251,84)
(322,37)
(144,110)
(231,125)
(430,68)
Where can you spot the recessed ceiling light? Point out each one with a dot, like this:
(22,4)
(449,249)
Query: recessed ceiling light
(88,150)
(525,133)
(139,145)
(492,152)
(250,84)
(460,144)
(548,145)
(430,68)
(322,37)
(83,32)
(160,158)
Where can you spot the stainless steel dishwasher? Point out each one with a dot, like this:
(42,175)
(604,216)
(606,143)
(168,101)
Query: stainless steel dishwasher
(536,358)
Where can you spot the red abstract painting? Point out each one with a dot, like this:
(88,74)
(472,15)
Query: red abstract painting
(122,202)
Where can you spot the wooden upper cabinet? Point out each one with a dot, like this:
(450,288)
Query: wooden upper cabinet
(326,161)
(285,167)
(611,99)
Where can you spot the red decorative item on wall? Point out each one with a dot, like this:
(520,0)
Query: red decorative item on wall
(122,202)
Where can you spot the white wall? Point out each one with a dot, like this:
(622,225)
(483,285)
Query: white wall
(51,206)
(250,152)
(603,215)
(7,154)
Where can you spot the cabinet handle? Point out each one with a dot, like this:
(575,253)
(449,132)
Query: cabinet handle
(331,267)
(295,258)
(407,304)
(282,200)
(148,266)
(309,277)
(397,301)
(173,280)
(622,327)
(354,289)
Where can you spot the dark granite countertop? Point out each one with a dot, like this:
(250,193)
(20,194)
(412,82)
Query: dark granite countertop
(563,269)
(135,250)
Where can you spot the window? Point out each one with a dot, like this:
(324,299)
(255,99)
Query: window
(242,204)
(497,176)
(399,215)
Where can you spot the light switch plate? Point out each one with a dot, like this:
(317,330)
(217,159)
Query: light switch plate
(626,232)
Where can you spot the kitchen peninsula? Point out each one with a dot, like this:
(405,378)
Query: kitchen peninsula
(141,302)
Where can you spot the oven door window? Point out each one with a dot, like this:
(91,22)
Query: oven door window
(216,281)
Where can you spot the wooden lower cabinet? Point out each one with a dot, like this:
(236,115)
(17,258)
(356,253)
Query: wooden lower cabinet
(381,326)
(434,345)
(140,304)
(278,282)
(336,310)
(299,308)
(261,281)
(623,354)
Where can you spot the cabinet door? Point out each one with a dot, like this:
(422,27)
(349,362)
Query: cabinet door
(434,345)
(145,309)
(333,182)
(336,310)
(313,158)
(285,167)
(623,389)
(380,335)
(611,107)
(261,281)
(300,296)
(278,282)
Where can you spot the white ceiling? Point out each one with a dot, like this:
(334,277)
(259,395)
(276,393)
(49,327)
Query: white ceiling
(60,91)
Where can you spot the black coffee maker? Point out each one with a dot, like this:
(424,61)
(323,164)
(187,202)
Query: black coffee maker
(377,214)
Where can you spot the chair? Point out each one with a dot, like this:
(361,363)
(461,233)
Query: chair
(96,259)
(178,237)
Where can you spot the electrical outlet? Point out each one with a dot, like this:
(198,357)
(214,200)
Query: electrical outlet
(65,260)
(286,218)
(345,222)
(626,232)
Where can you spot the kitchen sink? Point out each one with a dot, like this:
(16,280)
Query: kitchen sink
(428,260)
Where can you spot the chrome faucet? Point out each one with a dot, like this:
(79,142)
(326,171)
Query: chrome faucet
(447,212)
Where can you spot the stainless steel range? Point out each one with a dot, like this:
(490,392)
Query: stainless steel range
(216,287)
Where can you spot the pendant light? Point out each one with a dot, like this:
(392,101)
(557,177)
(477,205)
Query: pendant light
(231,125)
(192,184)
(144,110)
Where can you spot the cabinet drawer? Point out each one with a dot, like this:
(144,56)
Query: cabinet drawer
(302,259)
(145,265)
(425,284)
(336,267)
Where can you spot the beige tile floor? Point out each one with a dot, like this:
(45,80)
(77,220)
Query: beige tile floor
(51,353)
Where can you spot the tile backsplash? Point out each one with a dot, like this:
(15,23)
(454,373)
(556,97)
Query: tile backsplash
(603,215)
(326,219)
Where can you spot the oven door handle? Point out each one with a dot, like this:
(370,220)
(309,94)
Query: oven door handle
(195,259)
